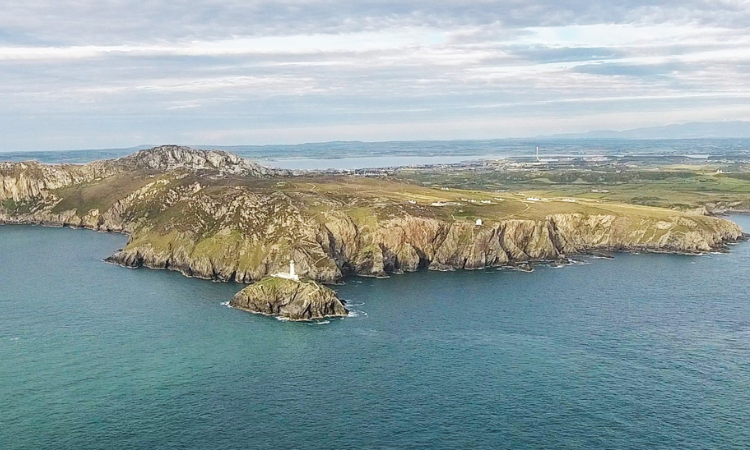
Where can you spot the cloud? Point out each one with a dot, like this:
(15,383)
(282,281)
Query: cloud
(206,65)
(632,70)
(81,22)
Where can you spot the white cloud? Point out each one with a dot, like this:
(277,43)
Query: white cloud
(326,67)
(273,45)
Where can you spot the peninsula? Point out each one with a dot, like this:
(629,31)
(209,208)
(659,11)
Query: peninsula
(214,215)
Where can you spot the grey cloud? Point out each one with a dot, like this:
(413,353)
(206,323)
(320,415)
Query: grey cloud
(113,22)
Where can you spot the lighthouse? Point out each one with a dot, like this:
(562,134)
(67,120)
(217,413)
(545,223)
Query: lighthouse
(292,275)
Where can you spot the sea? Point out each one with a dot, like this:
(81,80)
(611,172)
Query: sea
(642,351)
(636,352)
(348,155)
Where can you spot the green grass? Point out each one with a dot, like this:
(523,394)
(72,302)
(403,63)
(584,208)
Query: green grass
(679,190)
(100,195)
(22,207)
(9,204)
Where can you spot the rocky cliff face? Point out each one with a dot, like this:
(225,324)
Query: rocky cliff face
(21,181)
(294,300)
(210,215)
(30,180)
(171,157)
(329,250)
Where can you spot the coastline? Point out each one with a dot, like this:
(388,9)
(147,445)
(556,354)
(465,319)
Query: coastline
(212,215)
(568,259)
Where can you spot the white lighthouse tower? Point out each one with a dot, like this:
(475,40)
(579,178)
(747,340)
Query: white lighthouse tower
(292,275)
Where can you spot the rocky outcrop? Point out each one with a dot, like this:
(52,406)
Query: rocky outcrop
(293,300)
(26,180)
(31,179)
(577,233)
(171,157)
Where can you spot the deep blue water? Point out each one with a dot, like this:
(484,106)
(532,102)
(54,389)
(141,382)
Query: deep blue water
(643,351)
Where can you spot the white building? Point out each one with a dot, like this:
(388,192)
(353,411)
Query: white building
(288,276)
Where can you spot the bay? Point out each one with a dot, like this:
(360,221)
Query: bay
(642,351)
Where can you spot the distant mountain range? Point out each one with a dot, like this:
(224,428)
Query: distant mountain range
(694,130)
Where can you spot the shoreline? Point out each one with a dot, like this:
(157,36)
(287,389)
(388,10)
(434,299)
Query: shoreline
(567,260)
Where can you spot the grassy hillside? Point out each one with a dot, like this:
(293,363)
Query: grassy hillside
(681,187)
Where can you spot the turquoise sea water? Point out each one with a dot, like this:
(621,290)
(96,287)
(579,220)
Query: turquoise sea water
(643,351)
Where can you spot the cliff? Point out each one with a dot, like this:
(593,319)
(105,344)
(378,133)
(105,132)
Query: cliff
(28,180)
(213,215)
(171,157)
(294,300)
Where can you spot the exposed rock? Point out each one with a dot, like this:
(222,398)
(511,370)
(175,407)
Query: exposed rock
(31,179)
(576,233)
(171,157)
(294,300)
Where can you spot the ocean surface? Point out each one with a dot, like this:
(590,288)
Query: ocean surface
(362,155)
(638,352)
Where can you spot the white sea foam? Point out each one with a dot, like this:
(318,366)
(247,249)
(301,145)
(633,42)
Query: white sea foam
(356,313)
(355,304)
(574,262)
(226,304)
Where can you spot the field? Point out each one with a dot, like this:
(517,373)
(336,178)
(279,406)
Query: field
(716,187)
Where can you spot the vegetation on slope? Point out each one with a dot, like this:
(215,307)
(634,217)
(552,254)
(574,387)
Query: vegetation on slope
(214,216)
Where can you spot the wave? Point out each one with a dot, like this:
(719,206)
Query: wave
(575,262)
(354,304)
(353,313)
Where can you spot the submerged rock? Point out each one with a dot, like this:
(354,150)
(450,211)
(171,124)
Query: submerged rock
(294,300)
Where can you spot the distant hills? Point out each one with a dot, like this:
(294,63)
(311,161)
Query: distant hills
(694,130)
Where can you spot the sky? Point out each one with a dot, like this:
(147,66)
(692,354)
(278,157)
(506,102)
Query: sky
(118,73)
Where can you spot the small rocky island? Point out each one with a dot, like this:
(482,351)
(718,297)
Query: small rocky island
(285,295)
